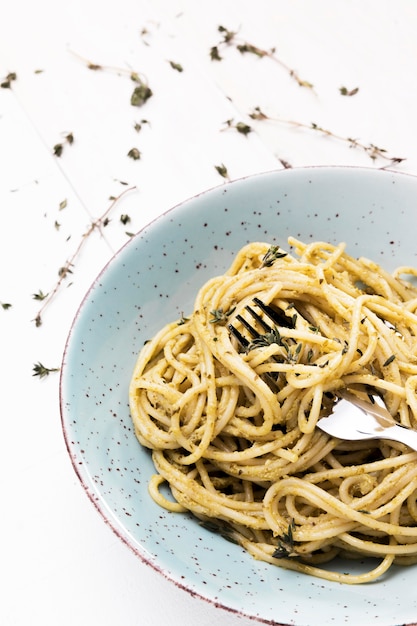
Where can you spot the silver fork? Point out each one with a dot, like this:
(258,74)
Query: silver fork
(355,419)
(351,418)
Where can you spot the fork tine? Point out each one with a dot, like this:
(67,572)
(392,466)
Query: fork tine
(252,331)
(275,314)
(238,335)
(268,377)
(259,319)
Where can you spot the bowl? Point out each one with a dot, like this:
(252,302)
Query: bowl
(154,279)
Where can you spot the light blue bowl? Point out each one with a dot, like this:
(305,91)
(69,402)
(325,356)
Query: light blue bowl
(153,280)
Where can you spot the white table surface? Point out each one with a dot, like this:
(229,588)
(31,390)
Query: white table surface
(60,563)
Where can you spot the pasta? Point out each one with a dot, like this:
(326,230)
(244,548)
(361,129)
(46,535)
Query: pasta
(233,431)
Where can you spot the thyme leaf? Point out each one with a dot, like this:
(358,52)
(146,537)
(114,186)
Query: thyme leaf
(7,81)
(222,170)
(5,305)
(220,316)
(140,95)
(40,295)
(176,66)
(344,91)
(285,548)
(58,148)
(222,528)
(389,360)
(267,339)
(42,371)
(125,219)
(272,254)
(134,154)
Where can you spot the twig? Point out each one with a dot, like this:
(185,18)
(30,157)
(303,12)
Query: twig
(142,91)
(230,38)
(371,149)
(66,268)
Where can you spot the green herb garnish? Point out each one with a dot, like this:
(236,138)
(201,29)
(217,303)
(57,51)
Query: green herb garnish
(272,255)
(285,548)
(42,371)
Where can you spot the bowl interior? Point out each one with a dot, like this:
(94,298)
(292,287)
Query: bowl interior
(153,280)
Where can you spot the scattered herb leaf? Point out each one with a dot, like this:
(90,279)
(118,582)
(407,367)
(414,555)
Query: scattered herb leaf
(59,147)
(42,371)
(140,95)
(222,170)
(220,316)
(134,154)
(40,295)
(348,92)
(285,548)
(272,254)
(6,83)
(176,66)
(241,127)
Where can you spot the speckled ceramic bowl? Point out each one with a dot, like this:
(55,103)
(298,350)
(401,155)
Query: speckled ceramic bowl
(154,279)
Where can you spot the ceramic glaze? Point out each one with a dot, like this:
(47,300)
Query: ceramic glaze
(154,279)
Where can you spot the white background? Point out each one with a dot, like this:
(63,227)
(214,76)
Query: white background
(60,563)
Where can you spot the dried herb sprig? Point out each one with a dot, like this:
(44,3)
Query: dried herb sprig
(285,548)
(68,138)
(6,82)
(267,339)
(69,264)
(373,151)
(42,371)
(221,528)
(241,127)
(231,38)
(344,91)
(222,170)
(273,254)
(220,316)
(141,93)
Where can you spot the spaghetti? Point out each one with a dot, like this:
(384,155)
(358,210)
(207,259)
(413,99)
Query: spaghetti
(244,455)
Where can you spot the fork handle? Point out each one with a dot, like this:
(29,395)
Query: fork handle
(401,434)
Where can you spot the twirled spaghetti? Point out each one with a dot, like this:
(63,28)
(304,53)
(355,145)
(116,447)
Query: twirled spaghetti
(244,455)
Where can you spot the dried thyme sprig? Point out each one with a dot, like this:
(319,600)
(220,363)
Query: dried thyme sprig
(373,151)
(231,38)
(273,254)
(222,170)
(141,93)
(58,148)
(220,316)
(241,127)
(42,371)
(6,82)
(285,548)
(69,264)
(221,528)
(267,339)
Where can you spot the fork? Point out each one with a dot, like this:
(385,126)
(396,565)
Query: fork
(351,418)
